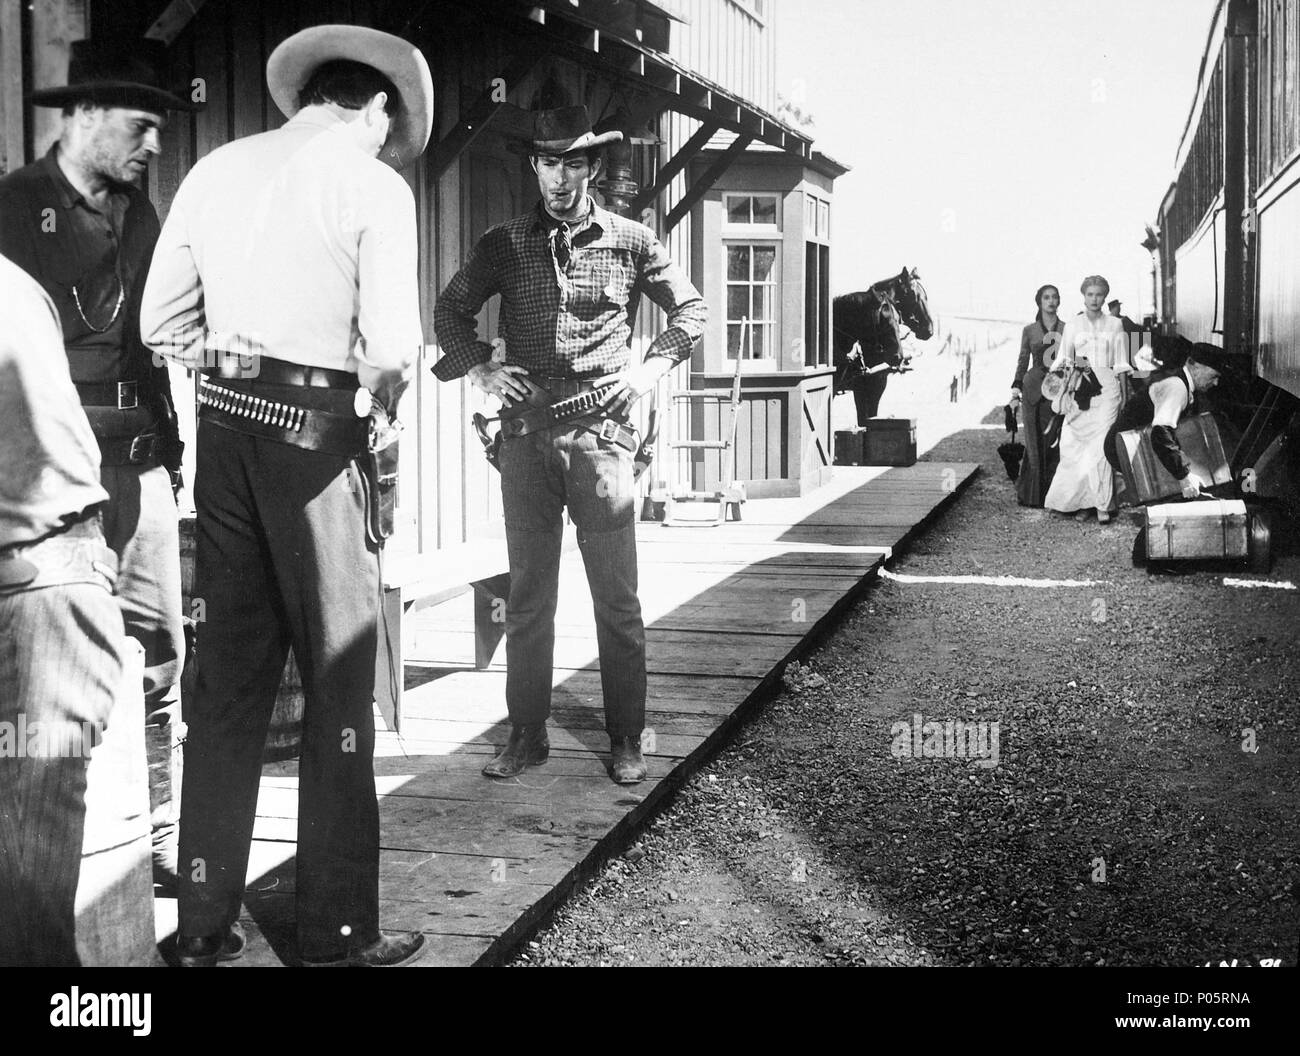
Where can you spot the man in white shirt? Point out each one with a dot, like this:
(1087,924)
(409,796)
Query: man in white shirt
(286,271)
(61,664)
(1169,395)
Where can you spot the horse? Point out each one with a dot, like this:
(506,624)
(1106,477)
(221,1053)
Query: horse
(870,320)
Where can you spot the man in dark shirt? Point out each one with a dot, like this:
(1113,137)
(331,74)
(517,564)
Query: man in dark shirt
(567,274)
(77,222)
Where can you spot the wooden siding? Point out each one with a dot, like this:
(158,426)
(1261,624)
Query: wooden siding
(11,86)
(723,41)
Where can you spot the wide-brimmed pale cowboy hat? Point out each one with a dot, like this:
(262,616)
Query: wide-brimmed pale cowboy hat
(115,72)
(565,130)
(295,59)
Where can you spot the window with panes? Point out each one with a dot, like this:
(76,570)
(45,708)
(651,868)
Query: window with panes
(752,265)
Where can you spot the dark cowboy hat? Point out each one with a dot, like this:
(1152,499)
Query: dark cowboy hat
(565,130)
(295,59)
(112,72)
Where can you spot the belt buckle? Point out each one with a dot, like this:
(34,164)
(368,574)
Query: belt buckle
(135,456)
(608,429)
(127,390)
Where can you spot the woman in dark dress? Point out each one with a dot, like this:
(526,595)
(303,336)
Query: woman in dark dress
(1037,347)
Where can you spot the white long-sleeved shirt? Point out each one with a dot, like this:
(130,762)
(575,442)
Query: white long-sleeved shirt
(294,244)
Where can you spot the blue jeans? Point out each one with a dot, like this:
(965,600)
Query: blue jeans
(541,473)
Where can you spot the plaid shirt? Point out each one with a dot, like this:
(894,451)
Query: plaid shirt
(571,321)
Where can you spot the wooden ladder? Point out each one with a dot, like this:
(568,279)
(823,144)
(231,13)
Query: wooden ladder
(731,493)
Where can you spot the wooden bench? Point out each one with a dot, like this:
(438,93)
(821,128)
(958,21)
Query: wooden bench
(412,582)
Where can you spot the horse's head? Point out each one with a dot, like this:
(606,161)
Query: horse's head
(913,304)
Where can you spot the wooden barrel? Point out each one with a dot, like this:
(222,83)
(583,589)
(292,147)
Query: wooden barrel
(115,912)
(284,736)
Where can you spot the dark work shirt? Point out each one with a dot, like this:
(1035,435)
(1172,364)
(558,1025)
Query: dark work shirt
(571,320)
(50,230)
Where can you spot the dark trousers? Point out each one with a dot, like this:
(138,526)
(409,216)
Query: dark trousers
(541,474)
(282,559)
(867,391)
(61,667)
(140,524)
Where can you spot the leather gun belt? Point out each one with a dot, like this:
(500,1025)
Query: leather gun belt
(275,412)
(580,409)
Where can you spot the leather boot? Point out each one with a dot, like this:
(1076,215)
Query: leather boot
(627,766)
(206,951)
(392,949)
(528,746)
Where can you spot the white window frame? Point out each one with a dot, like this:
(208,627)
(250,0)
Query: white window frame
(751,230)
(773,325)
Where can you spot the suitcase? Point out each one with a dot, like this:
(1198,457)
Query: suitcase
(1148,481)
(850,447)
(890,441)
(881,442)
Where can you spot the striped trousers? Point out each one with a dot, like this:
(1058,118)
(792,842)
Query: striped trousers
(61,655)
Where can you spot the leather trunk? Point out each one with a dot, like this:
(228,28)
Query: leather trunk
(1148,481)
(1197,530)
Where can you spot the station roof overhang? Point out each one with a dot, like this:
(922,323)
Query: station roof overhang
(601,36)
(568,32)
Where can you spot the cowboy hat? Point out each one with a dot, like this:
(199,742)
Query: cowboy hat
(295,59)
(565,130)
(123,72)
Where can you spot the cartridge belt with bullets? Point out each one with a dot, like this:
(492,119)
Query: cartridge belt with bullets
(566,401)
(314,418)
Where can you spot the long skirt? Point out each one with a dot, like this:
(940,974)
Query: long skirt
(1042,451)
(1084,479)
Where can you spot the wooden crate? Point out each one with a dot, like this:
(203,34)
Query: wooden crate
(1198,530)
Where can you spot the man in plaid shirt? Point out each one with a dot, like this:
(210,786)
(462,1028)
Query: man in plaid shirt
(568,274)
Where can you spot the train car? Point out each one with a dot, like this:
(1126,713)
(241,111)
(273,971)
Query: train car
(1229,235)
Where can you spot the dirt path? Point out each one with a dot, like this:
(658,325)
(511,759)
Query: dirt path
(1142,809)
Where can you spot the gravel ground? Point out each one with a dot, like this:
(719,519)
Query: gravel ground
(1129,819)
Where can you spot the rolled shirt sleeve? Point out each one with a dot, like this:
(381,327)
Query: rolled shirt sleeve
(668,287)
(455,316)
(388,316)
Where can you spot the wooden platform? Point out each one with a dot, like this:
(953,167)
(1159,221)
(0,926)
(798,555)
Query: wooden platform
(476,863)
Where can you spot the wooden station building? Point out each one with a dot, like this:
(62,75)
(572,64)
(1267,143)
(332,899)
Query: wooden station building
(740,198)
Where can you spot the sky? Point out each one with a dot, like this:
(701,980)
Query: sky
(995,145)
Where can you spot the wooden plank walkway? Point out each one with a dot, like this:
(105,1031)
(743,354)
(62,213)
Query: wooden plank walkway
(475,863)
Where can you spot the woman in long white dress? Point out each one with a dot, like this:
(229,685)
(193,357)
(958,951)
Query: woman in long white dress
(1084,479)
